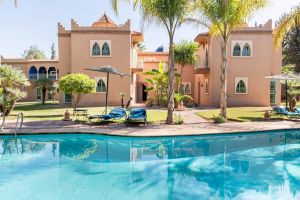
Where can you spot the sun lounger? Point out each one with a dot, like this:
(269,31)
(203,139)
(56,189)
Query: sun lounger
(138,115)
(115,113)
(283,111)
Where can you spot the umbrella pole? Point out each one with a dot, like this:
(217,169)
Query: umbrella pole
(107,82)
(286,94)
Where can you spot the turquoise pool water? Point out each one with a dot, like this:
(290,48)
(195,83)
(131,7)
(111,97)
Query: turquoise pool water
(244,166)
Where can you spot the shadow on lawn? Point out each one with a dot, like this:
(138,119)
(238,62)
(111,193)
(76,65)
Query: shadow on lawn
(253,119)
(38,106)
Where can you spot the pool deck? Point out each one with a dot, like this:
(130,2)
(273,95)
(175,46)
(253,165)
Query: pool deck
(196,127)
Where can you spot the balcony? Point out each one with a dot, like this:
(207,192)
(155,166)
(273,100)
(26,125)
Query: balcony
(202,67)
(138,67)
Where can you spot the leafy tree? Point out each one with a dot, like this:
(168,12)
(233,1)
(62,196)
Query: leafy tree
(170,14)
(185,53)
(222,17)
(53,52)
(34,53)
(291,49)
(77,85)
(45,84)
(287,23)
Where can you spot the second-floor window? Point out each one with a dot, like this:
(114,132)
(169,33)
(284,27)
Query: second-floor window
(96,49)
(105,49)
(100,48)
(236,50)
(246,50)
(242,48)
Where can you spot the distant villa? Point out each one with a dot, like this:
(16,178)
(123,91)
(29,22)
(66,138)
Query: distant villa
(252,57)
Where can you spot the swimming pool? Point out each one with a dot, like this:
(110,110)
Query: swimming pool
(81,166)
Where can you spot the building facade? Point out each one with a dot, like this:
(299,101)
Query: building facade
(251,57)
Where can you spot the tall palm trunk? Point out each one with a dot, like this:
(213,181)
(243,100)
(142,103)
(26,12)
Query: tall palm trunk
(44,90)
(223,99)
(171,80)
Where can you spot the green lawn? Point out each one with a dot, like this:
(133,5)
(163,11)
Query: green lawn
(53,111)
(242,114)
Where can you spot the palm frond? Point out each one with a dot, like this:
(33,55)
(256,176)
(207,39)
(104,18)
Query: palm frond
(286,23)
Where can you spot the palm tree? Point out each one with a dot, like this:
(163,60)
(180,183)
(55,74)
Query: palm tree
(185,53)
(45,84)
(12,81)
(170,14)
(222,17)
(286,23)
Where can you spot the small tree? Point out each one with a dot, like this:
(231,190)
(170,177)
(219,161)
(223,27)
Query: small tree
(77,85)
(34,53)
(53,51)
(185,53)
(45,84)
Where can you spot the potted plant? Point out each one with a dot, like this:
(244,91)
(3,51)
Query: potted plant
(179,98)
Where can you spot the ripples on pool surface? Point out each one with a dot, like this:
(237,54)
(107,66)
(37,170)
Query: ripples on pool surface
(248,166)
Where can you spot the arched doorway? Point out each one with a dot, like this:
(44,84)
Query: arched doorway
(145,94)
(141,93)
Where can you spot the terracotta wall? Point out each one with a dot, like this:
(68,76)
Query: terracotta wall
(264,62)
(75,50)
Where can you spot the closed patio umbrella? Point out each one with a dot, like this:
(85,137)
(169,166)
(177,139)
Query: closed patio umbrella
(285,77)
(108,70)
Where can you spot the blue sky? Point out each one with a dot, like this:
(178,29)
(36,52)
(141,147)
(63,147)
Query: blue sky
(34,22)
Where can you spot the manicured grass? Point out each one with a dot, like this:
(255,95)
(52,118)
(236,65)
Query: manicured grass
(53,111)
(242,114)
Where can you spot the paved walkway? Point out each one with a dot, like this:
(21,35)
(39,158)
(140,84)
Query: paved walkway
(190,117)
(190,128)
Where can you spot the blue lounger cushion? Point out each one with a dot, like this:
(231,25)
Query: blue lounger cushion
(283,111)
(116,113)
(138,114)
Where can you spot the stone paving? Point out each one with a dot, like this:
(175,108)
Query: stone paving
(194,125)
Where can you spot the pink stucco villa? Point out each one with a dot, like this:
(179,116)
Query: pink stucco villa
(252,57)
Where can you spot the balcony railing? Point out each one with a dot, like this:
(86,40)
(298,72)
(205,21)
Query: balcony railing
(202,64)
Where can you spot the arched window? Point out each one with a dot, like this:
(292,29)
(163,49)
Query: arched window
(42,72)
(236,50)
(33,73)
(181,89)
(105,49)
(101,87)
(52,73)
(246,50)
(187,89)
(96,49)
(241,87)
